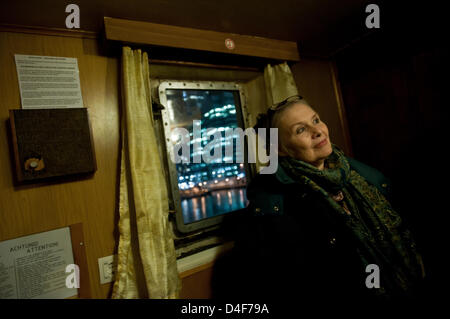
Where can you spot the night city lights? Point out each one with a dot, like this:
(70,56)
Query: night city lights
(217,187)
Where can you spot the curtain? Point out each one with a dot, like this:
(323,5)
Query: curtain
(146,255)
(280,83)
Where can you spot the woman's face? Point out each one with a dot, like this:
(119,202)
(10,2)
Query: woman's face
(303,135)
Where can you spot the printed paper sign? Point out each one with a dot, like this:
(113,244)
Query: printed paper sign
(48,82)
(34,266)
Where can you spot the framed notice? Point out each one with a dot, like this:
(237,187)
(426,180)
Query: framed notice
(48,265)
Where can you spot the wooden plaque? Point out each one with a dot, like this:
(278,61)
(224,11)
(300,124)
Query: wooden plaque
(51,143)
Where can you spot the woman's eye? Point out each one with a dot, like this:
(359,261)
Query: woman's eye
(316,120)
(299,130)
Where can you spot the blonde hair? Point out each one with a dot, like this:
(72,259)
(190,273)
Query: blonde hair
(275,119)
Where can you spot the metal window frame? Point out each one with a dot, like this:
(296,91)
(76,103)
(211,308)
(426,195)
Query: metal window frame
(173,177)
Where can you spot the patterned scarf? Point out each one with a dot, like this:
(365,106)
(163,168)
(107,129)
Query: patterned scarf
(377,228)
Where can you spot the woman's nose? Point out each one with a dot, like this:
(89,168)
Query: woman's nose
(316,133)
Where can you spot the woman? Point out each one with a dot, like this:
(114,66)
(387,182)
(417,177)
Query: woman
(315,226)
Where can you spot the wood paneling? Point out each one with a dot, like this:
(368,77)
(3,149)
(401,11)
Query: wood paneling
(196,39)
(92,202)
(198,285)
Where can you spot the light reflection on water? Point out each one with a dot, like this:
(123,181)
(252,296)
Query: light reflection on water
(213,204)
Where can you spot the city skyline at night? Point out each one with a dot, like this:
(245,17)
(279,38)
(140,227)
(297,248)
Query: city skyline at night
(214,111)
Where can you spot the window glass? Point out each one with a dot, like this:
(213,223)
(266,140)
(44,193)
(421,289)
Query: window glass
(207,188)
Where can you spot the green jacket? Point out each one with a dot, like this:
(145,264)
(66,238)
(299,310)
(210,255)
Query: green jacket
(286,239)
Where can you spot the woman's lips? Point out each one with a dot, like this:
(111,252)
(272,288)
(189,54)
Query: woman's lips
(324,142)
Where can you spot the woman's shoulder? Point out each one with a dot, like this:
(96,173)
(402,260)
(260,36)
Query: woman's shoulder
(371,175)
(266,194)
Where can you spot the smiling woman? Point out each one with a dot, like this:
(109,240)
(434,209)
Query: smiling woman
(322,221)
(302,134)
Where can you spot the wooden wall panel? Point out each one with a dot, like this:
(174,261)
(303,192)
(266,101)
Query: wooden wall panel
(198,285)
(31,209)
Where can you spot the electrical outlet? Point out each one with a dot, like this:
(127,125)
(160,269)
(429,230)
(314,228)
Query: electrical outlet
(107,267)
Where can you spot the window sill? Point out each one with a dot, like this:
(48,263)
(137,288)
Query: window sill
(192,264)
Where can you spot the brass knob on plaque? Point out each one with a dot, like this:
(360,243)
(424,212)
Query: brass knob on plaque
(34,164)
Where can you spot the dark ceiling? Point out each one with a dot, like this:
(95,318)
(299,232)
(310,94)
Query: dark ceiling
(321,27)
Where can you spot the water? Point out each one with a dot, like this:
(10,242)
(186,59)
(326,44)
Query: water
(213,204)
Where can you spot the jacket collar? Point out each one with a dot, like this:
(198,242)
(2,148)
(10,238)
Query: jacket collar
(283,177)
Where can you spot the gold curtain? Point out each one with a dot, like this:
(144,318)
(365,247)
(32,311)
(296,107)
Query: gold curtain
(280,83)
(147,265)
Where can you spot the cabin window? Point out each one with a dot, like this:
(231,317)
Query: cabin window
(208,177)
